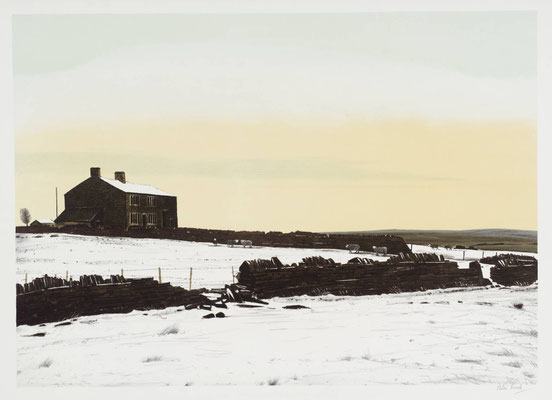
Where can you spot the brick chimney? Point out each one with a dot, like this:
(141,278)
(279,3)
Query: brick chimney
(120,176)
(95,172)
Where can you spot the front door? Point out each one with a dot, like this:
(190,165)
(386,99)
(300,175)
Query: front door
(144,220)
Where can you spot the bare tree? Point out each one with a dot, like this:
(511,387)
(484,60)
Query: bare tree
(25,216)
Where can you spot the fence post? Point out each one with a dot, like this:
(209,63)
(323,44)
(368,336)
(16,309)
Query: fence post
(190,278)
(66,275)
(122,273)
(464,255)
(25,277)
(159,268)
(411,246)
(233,281)
(483,254)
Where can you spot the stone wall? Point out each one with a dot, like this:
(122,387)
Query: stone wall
(59,303)
(513,269)
(394,244)
(316,275)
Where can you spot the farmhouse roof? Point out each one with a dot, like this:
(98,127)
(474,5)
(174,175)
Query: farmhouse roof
(129,187)
(44,221)
(79,214)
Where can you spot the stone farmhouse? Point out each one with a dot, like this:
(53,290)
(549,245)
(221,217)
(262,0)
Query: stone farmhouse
(116,203)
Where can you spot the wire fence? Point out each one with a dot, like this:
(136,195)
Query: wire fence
(457,254)
(186,277)
(198,276)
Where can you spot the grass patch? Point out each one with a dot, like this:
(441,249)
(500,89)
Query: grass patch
(528,332)
(514,364)
(46,363)
(469,361)
(273,382)
(503,353)
(519,306)
(171,330)
(152,359)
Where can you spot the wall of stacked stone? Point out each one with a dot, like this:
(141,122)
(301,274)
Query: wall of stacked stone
(63,302)
(514,275)
(47,282)
(394,244)
(506,259)
(315,276)
(513,269)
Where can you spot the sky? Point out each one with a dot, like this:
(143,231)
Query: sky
(321,122)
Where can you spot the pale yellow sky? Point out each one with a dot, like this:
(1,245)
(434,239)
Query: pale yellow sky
(285,122)
(278,176)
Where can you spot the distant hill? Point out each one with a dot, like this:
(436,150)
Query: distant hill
(484,239)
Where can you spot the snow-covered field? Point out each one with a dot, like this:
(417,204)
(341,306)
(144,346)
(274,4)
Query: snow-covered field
(467,255)
(211,265)
(75,255)
(442,336)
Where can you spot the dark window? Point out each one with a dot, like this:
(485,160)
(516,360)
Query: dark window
(134,219)
(152,219)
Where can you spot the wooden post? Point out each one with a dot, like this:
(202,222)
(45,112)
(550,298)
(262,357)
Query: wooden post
(25,277)
(66,275)
(411,246)
(159,268)
(483,254)
(464,255)
(233,281)
(122,273)
(190,278)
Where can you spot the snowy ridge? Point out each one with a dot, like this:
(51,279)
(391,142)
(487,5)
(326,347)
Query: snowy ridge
(129,187)
(45,221)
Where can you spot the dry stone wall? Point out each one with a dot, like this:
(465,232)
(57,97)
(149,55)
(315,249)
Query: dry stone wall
(316,275)
(51,304)
(394,244)
(513,269)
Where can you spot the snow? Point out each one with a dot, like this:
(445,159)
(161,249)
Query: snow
(54,254)
(468,335)
(130,187)
(470,255)
(463,257)
(45,221)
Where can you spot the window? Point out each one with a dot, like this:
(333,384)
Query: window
(134,219)
(152,219)
(134,200)
(151,201)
